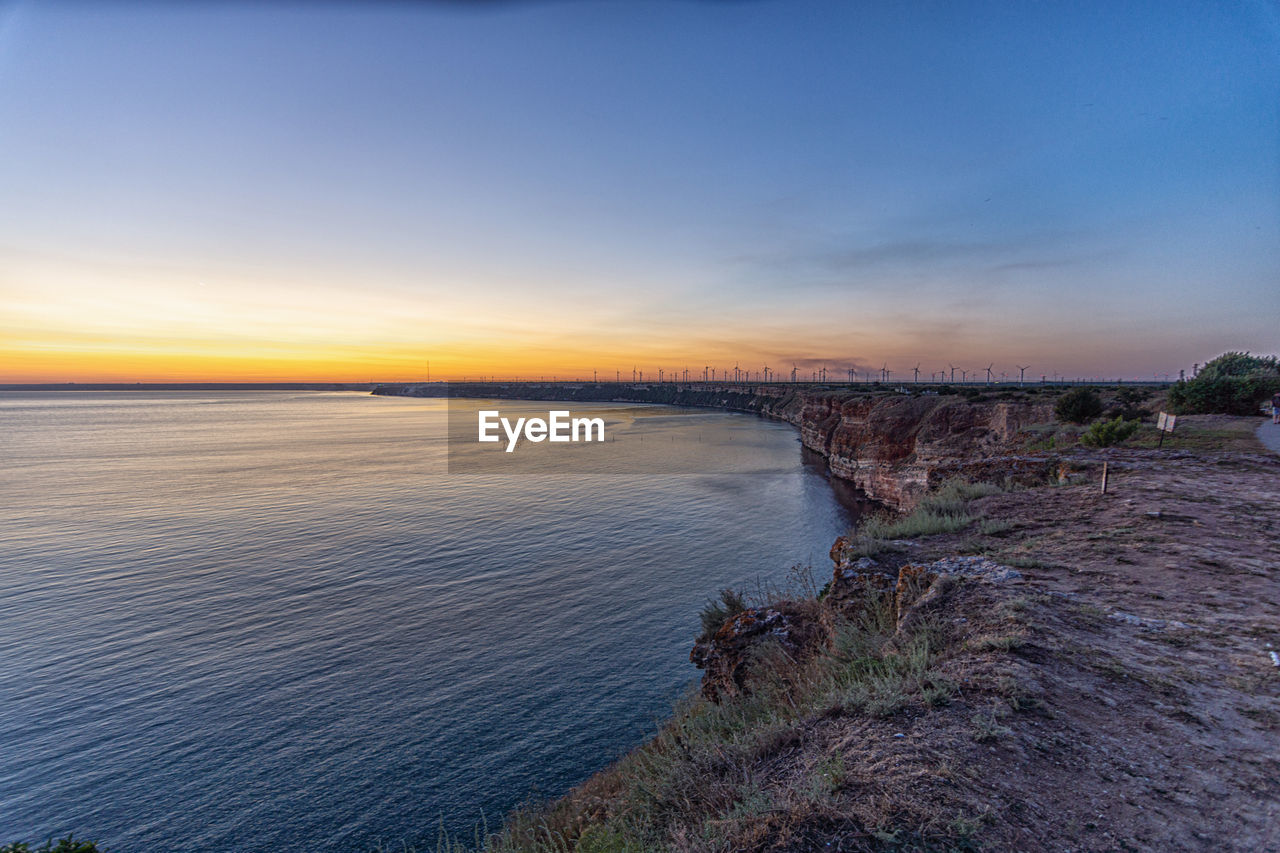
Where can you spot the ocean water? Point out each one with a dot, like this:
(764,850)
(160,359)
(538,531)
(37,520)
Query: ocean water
(273,620)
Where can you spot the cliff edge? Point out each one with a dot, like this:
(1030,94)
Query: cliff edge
(1059,669)
(894,446)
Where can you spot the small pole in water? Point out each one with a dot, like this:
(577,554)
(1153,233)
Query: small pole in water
(1104,478)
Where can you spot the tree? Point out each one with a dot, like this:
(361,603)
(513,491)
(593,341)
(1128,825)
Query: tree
(1078,406)
(1107,433)
(1234,383)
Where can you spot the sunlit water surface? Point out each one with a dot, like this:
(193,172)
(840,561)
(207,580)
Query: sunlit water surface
(271,620)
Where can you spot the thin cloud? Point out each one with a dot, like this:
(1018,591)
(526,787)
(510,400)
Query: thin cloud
(928,262)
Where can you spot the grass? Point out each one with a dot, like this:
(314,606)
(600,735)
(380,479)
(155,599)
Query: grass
(1021,561)
(987,728)
(725,776)
(704,782)
(1005,643)
(717,612)
(1203,433)
(995,527)
(63,845)
(922,522)
(944,510)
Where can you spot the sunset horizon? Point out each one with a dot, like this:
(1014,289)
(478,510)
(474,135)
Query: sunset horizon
(601,426)
(529,189)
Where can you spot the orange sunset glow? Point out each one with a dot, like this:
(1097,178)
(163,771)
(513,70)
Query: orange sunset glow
(171,215)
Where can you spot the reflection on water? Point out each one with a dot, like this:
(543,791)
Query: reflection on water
(248,620)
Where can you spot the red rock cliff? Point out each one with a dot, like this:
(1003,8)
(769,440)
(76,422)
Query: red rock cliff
(896,448)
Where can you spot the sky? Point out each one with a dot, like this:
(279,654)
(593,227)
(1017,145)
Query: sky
(329,191)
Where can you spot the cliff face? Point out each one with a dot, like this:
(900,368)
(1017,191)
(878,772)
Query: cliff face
(894,447)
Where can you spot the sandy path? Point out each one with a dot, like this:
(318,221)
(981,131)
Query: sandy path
(1269,434)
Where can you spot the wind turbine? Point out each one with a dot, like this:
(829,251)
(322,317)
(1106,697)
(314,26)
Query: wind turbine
(989,366)
(964,376)
(1022,371)
(916,371)
(853,376)
(793,372)
(953,371)
(884,372)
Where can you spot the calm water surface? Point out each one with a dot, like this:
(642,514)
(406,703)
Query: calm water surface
(266,620)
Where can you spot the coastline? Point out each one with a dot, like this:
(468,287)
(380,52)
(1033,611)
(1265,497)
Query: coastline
(1072,690)
(892,444)
(1077,691)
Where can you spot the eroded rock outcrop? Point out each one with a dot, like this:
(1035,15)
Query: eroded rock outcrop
(897,448)
(725,657)
(802,629)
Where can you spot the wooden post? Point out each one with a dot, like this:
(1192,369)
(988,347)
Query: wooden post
(1104,478)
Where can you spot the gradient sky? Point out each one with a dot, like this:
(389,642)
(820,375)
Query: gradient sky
(318,191)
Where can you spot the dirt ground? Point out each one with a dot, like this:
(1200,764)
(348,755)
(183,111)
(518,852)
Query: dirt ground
(1118,691)
(1146,709)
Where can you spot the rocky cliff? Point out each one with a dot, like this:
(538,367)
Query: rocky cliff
(803,629)
(894,446)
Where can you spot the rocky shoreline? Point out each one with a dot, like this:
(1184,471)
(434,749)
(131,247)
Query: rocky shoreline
(893,446)
(1061,668)
(1067,669)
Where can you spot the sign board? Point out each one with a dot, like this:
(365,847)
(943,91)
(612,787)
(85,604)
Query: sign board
(1165,422)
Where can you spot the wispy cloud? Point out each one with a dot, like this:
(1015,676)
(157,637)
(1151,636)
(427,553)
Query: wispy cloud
(871,263)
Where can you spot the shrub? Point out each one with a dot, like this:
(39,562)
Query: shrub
(954,495)
(944,510)
(64,845)
(716,613)
(1232,384)
(1128,404)
(922,522)
(1078,406)
(1107,433)
(1239,364)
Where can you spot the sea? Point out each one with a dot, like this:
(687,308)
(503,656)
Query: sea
(265,620)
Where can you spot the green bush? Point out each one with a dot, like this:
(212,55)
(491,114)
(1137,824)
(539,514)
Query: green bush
(1107,433)
(1128,404)
(1234,383)
(922,522)
(1239,364)
(1078,406)
(64,845)
(716,613)
(944,510)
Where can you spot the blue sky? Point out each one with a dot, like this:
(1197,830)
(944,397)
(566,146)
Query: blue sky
(530,187)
